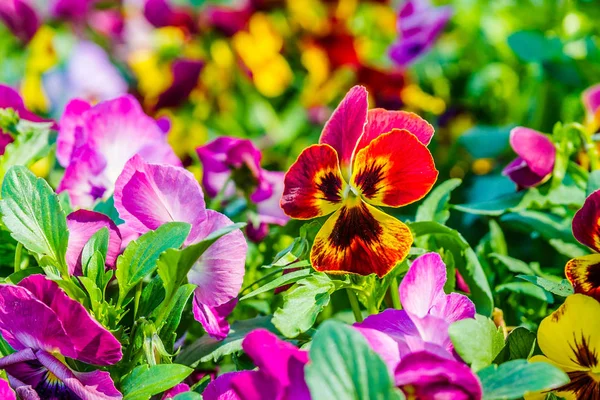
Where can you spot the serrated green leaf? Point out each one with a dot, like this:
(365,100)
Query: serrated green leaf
(562,288)
(31,144)
(527,289)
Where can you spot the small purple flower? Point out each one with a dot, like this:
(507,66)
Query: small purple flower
(591,101)
(44,326)
(419,25)
(229,18)
(185,78)
(149,195)
(94,143)
(423,322)
(535,162)
(426,376)
(20,17)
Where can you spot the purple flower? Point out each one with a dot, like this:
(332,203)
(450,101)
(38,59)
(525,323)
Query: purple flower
(280,373)
(174,391)
(44,325)
(426,376)
(6,392)
(74,10)
(591,101)
(82,225)
(419,25)
(423,322)
(229,18)
(94,143)
(161,13)
(185,78)
(20,17)
(535,162)
(149,195)
(232,163)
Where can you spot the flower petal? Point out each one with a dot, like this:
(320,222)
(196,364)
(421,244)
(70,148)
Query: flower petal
(454,307)
(269,210)
(423,285)
(591,99)
(584,274)
(382,344)
(346,125)
(82,225)
(253,385)
(586,222)
(69,123)
(394,170)
(219,272)
(213,319)
(92,343)
(149,195)
(535,148)
(6,392)
(185,78)
(362,240)
(519,172)
(313,185)
(380,121)
(221,388)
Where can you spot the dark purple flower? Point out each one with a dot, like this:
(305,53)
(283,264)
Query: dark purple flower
(229,18)
(161,13)
(185,78)
(20,17)
(419,25)
(44,325)
(75,10)
(535,162)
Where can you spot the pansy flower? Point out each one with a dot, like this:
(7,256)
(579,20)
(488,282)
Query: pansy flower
(365,159)
(427,312)
(591,101)
(584,272)
(45,326)
(570,340)
(419,25)
(6,392)
(94,143)
(535,162)
(20,17)
(149,195)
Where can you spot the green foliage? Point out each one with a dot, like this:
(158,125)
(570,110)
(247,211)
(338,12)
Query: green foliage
(519,345)
(146,381)
(477,341)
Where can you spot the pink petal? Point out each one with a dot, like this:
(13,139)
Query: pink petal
(70,122)
(519,172)
(149,195)
(6,392)
(591,99)
(423,284)
(174,391)
(269,210)
(346,125)
(221,389)
(82,225)
(395,323)
(384,345)
(213,319)
(454,307)
(534,148)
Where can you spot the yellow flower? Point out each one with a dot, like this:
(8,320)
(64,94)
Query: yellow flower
(42,56)
(570,340)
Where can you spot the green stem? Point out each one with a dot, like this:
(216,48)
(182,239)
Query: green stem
(215,203)
(395,294)
(354,304)
(136,299)
(18,254)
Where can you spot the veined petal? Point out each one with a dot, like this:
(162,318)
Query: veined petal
(313,185)
(346,125)
(586,222)
(380,121)
(395,169)
(570,336)
(534,148)
(213,319)
(519,172)
(591,99)
(423,285)
(221,388)
(454,307)
(362,240)
(70,122)
(584,274)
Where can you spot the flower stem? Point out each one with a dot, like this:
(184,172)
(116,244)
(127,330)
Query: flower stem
(18,253)
(395,294)
(354,304)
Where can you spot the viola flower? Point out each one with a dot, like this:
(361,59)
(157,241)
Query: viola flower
(427,376)
(426,314)
(535,162)
(419,25)
(21,18)
(44,326)
(231,163)
(569,339)
(149,195)
(5,391)
(230,17)
(584,272)
(365,158)
(162,13)
(591,101)
(94,143)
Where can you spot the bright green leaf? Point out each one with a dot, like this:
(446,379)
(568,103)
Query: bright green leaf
(435,206)
(477,341)
(562,288)
(144,382)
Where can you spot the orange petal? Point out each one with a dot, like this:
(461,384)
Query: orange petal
(362,240)
(584,275)
(395,169)
(313,185)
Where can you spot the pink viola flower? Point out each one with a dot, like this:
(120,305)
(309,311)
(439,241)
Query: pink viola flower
(6,392)
(419,25)
(428,376)
(423,322)
(228,18)
(20,17)
(94,143)
(280,373)
(161,13)
(82,225)
(45,326)
(174,391)
(591,101)
(231,164)
(149,195)
(535,157)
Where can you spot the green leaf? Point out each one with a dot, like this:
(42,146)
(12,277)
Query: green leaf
(533,46)
(144,382)
(343,366)
(513,379)
(593,183)
(549,226)
(519,345)
(32,213)
(275,283)
(167,331)
(31,144)
(93,255)
(152,295)
(188,396)
(477,341)
(141,256)
(513,264)
(470,267)
(302,303)
(497,239)
(562,288)
(435,206)
(494,207)
(208,349)
(485,141)
(527,289)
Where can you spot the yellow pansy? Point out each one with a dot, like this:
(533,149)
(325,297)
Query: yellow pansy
(42,56)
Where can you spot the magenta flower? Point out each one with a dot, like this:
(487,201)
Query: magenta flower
(231,164)
(161,13)
(423,322)
(427,376)
(149,195)
(591,101)
(174,391)
(20,17)
(229,18)
(94,143)
(6,392)
(82,225)
(535,162)
(419,25)
(280,373)
(185,79)
(44,326)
